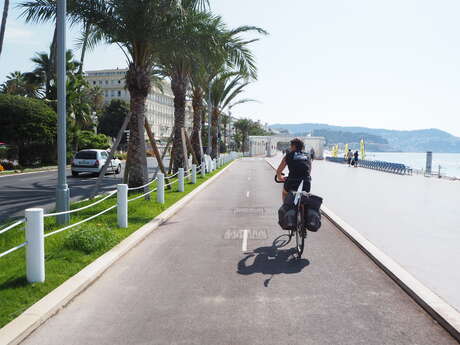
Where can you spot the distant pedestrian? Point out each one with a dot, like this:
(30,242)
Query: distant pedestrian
(355,159)
(349,157)
(312,153)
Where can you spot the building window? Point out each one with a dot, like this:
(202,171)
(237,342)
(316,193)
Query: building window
(119,93)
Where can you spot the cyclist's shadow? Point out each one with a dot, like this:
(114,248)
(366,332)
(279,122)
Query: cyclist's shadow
(272,260)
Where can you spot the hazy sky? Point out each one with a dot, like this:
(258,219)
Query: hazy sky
(389,64)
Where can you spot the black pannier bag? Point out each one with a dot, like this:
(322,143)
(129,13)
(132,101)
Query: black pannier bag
(287,213)
(312,205)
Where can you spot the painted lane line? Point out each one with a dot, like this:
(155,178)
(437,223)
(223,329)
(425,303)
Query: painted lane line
(244,246)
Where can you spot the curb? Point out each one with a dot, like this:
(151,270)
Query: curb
(18,329)
(447,316)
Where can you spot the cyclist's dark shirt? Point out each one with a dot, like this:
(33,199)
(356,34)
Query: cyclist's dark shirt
(299,164)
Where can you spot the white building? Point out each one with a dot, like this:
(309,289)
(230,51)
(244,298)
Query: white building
(159,105)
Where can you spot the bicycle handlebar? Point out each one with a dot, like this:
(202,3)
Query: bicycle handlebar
(276,179)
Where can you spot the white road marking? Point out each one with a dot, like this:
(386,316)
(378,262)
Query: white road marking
(244,246)
(247,194)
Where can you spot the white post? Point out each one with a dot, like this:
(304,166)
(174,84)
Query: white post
(161,188)
(35,249)
(193,173)
(122,205)
(203,169)
(181,180)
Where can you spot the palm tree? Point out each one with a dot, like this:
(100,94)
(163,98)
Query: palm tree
(226,50)
(44,69)
(21,84)
(6,5)
(44,11)
(138,28)
(226,87)
(190,37)
(242,127)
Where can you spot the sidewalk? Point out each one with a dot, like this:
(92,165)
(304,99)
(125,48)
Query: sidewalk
(414,220)
(193,282)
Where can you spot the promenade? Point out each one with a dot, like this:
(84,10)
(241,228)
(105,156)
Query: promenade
(413,219)
(197,281)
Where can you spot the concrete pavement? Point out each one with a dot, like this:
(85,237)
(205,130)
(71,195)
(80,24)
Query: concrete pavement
(191,283)
(412,219)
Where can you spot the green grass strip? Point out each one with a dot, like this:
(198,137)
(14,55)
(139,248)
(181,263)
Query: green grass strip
(69,252)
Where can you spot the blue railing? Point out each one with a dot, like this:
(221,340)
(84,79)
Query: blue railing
(395,168)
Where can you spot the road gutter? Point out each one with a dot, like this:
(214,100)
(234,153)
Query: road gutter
(17,330)
(447,316)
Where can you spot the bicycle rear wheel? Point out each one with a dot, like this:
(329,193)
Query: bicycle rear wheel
(300,233)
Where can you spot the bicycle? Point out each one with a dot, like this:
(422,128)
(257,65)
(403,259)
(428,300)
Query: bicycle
(300,230)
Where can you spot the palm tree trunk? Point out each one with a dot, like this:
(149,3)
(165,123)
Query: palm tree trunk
(3,27)
(84,47)
(214,132)
(197,103)
(138,82)
(179,88)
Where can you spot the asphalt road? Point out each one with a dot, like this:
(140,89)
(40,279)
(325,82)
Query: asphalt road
(19,192)
(191,282)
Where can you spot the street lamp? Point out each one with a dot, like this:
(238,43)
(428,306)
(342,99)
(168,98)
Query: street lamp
(209,118)
(62,189)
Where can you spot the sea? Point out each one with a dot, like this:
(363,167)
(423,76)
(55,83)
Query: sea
(449,163)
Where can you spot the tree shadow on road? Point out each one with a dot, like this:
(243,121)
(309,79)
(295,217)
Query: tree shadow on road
(272,261)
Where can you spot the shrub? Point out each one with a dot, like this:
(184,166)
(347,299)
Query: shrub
(91,239)
(89,140)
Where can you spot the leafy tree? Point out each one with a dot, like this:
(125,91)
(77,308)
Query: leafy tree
(112,117)
(29,124)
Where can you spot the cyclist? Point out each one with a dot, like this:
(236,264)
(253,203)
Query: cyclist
(299,165)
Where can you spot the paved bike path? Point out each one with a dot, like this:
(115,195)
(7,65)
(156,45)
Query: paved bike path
(191,283)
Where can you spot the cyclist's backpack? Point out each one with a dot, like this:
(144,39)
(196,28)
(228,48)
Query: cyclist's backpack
(312,205)
(287,213)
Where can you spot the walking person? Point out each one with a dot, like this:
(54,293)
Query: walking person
(355,159)
(349,156)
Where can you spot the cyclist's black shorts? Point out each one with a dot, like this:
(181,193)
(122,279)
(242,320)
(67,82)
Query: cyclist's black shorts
(292,184)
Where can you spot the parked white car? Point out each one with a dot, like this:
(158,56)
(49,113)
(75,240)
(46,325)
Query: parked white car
(92,161)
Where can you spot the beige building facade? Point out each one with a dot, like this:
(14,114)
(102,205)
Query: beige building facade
(159,107)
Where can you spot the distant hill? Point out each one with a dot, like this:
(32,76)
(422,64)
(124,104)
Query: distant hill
(408,141)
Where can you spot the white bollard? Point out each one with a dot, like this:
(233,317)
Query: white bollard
(35,248)
(193,173)
(122,205)
(181,180)
(161,188)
